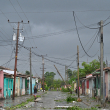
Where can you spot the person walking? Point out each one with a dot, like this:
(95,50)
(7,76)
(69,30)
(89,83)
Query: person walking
(76,90)
(35,92)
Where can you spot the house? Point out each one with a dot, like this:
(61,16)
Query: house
(97,83)
(20,84)
(90,85)
(83,85)
(107,82)
(8,83)
(33,84)
(1,84)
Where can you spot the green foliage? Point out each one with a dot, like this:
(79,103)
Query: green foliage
(46,88)
(70,98)
(51,82)
(23,103)
(49,77)
(27,73)
(91,67)
(69,71)
(65,89)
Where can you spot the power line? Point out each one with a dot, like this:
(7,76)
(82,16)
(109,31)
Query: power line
(8,61)
(57,33)
(15,10)
(26,17)
(35,70)
(58,11)
(91,45)
(18,13)
(44,57)
(79,38)
(85,25)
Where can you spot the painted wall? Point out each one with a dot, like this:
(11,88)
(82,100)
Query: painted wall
(90,87)
(87,86)
(1,84)
(106,83)
(17,87)
(83,87)
(33,84)
(23,86)
(109,85)
(8,87)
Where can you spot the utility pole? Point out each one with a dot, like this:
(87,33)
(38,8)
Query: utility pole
(43,72)
(78,68)
(30,75)
(79,100)
(18,38)
(15,61)
(102,89)
(65,73)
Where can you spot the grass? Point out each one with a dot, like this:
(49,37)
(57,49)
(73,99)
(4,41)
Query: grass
(22,104)
(97,105)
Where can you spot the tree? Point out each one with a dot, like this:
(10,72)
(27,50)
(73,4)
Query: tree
(69,72)
(27,73)
(49,77)
(91,67)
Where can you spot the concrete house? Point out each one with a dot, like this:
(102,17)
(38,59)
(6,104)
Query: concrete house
(1,84)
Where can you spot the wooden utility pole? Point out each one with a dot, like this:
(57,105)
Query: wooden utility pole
(78,68)
(102,89)
(65,73)
(30,75)
(61,75)
(63,79)
(15,62)
(43,72)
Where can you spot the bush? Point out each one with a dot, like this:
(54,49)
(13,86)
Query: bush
(46,88)
(69,99)
(65,89)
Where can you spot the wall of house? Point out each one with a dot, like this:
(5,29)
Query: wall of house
(83,87)
(1,84)
(17,87)
(109,85)
(33,84)
(106,83)
(87,86)
(23,86)
(90,87)
(8,87)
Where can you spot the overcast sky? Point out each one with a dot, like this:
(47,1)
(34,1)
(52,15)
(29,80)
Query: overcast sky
(52,30)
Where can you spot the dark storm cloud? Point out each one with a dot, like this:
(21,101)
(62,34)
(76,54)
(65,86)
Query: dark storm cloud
(51,16)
